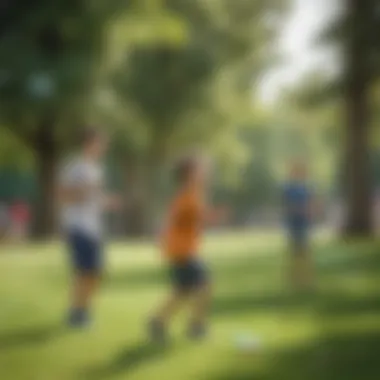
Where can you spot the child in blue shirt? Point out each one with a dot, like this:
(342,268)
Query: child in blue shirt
(298,210)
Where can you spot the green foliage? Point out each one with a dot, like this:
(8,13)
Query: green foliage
(13,152)
(161,76)
(50,54)
(165,82)
(185,92)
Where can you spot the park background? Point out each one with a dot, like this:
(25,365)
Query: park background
(256,85)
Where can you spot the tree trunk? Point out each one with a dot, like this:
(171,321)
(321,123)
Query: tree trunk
(136,214)
(358,176)
(357,150)
(46,152)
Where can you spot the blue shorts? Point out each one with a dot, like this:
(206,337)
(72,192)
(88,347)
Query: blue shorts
(86,252)
(189,275)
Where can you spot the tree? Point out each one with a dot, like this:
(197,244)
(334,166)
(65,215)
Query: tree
(183,88)
(354,33)
(361,48)
(50,52)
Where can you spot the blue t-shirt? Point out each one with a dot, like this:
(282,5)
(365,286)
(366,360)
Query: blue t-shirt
(297,197)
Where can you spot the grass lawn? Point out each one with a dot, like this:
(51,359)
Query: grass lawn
(332,335)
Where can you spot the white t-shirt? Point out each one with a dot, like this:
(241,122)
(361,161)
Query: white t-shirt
(85,215)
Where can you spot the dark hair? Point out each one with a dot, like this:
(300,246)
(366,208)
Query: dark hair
(183,169)
(88,135)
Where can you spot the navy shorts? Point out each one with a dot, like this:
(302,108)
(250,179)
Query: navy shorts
(86,252)
(189,275)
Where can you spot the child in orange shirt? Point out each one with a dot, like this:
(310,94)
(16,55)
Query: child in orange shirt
(180,246)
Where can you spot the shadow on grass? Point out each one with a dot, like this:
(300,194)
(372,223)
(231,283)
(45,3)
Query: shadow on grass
(365,263)
(348,356)
(250,302)
(351,356)
(32,336)
(343,305)
(128,360)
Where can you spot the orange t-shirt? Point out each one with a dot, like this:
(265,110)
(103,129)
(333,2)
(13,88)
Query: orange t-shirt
(182,235)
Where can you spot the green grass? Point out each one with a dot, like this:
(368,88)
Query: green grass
(333,335)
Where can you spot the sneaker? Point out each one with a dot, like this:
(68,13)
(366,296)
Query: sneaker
(79,318)
(157,331)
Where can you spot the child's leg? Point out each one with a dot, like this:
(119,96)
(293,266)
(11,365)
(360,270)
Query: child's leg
(84,288)
(201,301)
(85,285)
(87,261)
(201,305)
(170,307)
(302,266)
(306,270)
(158,324)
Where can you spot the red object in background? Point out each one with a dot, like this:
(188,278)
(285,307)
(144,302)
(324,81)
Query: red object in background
(20,213)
